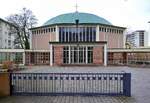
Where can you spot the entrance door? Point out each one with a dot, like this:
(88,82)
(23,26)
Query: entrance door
(78,55)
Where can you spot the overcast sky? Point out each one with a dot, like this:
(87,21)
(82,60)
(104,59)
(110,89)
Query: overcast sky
(133,14)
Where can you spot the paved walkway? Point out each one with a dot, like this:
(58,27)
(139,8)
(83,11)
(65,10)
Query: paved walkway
(67,99)
(140,86)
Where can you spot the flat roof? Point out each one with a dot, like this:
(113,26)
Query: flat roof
(80,42)
(12,50)
(74,24)
(120,50)
(34,50)
(7,22)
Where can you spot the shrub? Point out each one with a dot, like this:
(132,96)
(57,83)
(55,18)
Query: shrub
(7,65)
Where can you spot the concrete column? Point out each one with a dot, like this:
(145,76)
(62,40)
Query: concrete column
(119,40)
(127,59)
(69,54)
(97,33)
(124,38)
(51,55)
(105,55)
(30,39)
(24,58)
(57,33)
(86,51)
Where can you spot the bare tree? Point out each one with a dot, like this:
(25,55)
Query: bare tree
(22,23)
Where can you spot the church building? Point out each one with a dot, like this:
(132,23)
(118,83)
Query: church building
(77,39)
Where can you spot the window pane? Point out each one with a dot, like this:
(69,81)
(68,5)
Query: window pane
(63,35)
(70,35)
(73,34)
(84,35)
(90,54)
(67,36)
(94,34)
(91,34)
(87,34)
(60,39)
(66,55)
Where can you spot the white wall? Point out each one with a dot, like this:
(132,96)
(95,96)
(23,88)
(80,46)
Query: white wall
(4,35)
(136,39)
(148,33)
(146,39)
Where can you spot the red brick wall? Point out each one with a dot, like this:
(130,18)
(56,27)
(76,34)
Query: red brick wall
(58,55)
(98,55)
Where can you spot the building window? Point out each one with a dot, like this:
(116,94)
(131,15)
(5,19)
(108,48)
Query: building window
(44,30)
(141,39)
(78,55)
(66,55)
(105,29)
(90,54)
(9,35)
(9,42)
(110,30)
(54,29)
(73,34)
(41,31)
(37,32)
(100,29)
(51,29)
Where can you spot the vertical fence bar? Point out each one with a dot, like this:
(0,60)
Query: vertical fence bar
(10,83)
(127,84)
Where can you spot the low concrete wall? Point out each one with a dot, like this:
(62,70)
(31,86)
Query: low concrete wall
(4,84)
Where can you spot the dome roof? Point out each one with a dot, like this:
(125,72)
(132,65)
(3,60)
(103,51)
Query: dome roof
(84,18)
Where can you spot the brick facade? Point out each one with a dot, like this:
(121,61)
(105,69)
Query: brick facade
(58,55)
(98,55)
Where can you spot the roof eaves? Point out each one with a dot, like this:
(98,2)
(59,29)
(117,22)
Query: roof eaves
(7,22)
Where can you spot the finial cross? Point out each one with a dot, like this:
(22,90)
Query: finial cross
(76,6)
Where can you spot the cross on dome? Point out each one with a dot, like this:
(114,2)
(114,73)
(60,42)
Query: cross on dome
(76,6)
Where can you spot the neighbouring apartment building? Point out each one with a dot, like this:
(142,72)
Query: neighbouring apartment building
(6,35)
(77,39)
(139,38)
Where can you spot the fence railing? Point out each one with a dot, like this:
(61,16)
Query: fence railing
(71,84)
(128,62)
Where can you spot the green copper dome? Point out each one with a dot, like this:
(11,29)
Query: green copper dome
(84,18)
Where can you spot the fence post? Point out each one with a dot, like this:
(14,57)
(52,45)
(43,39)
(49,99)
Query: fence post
(10,83)
(4,84)
(127,84)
